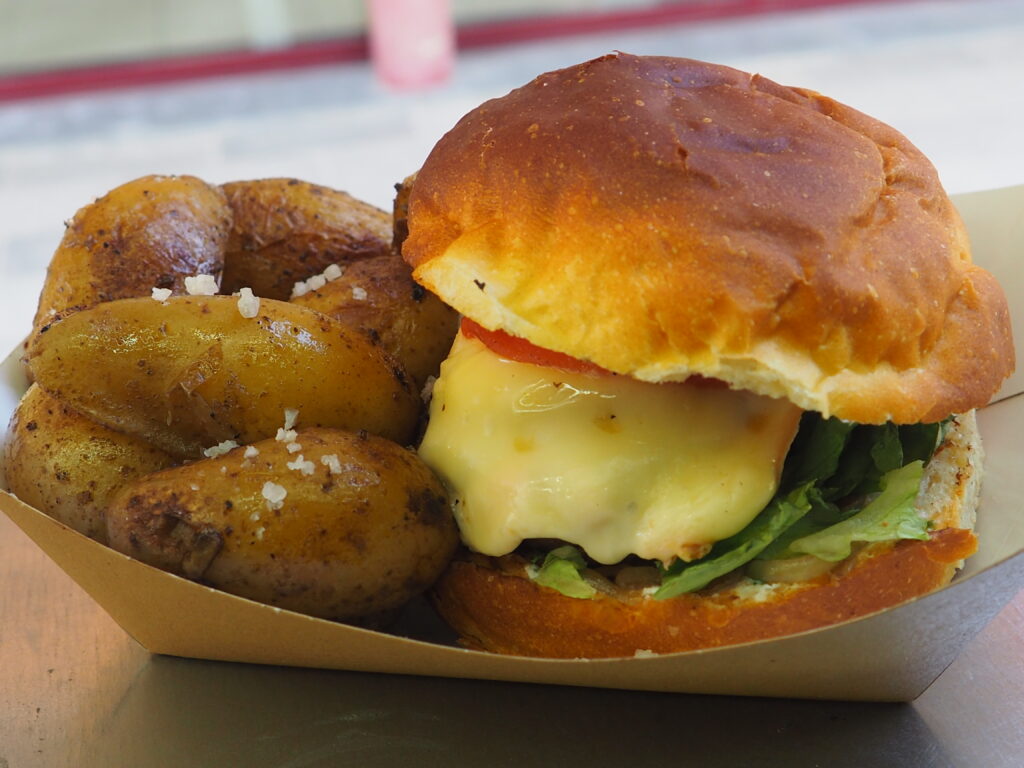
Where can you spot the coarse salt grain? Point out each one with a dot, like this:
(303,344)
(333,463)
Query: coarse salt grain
(201,285)
(294,447)
(331,462)
(286,435)
(251,452)
(358,293)
(316,282)
(219,449)
(161,294)
(301,465)
(255,516)
(248,305)
(290,417)
(259,532)
(274,494)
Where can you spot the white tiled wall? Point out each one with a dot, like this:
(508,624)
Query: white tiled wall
(948,74)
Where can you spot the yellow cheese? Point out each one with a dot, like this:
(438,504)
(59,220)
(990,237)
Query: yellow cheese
(614,465)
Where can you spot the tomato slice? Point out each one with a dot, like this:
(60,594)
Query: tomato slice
(514,348)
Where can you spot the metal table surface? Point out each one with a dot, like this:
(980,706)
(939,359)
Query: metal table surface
(75,690)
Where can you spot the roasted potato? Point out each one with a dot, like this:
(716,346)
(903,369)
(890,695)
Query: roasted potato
(191,372)
(152,232)
(350,525)
(400,212)
(286,230)
(378,296)
(67,466)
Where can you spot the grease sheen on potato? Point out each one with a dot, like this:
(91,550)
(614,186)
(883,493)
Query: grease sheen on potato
(360,529)
(67,466)
(191,372)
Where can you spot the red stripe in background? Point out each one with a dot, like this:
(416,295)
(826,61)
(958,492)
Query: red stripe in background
(204,65)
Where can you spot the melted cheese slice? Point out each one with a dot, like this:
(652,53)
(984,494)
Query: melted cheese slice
(614,465)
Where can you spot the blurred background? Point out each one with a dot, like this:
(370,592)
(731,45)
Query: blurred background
(354,94)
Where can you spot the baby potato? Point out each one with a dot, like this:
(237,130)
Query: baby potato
(192,372)
(349,525)
(152,232)
(378,296)
(400,212)
(286,230)
(67,466)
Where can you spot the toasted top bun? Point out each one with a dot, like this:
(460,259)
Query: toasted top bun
(494,605)
(662,217)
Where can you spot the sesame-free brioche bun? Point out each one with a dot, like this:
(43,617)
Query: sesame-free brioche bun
(662,217)
(494,605)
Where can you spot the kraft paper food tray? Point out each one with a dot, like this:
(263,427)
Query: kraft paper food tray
(891,655)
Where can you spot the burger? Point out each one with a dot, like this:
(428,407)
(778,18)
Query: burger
(721,347)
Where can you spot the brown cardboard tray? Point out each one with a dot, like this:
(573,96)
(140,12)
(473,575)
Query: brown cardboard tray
(892,655)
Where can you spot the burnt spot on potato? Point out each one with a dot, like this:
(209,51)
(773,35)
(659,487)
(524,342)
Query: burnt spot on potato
(203,546)
(428,508)
(357,541)
(400,376)
(161,533)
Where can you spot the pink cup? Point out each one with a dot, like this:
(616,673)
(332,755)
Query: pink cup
(412,42)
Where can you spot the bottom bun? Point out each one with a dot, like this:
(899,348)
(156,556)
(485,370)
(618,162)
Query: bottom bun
(494,605)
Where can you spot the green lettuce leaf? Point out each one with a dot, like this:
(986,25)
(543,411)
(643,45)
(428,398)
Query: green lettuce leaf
(816,450)
(847,459)
(891,515)
(920,440)
(821,515)
(741,548)
(561,571)
(870,453)
(887,449)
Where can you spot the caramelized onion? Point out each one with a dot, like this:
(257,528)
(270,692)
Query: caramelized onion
(790,570)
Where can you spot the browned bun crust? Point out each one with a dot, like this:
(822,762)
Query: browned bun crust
(662,217)
(494,606)
(505,612)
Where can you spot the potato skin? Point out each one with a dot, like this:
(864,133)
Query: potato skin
(341,546)
(400,212)
(286,230)
(65,465)
(191,372)
(151,232)
(412,324)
